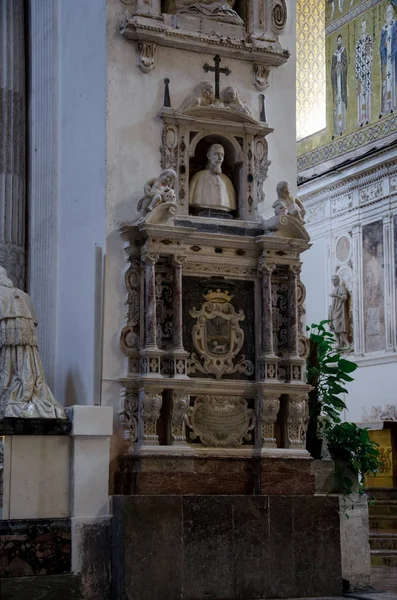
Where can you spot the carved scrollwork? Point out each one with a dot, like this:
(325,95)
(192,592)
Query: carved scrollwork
(151,406)
(169,147)
(261,166)
(130,334)
(279,14)
(269,406)
(221,421)
(129,415)
(179,416)
(298,414)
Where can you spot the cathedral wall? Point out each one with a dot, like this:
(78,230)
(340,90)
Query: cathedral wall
(134,132)
(360,85)
(352,219)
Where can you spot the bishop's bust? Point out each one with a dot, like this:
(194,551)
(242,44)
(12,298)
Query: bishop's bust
(211,189)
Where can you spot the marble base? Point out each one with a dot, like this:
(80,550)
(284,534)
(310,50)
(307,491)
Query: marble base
(214,475)
(225,547)
(215,214)
(35,427)
(35,547)
(59,587)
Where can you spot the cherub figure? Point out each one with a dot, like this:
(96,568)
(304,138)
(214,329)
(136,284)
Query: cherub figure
(231,99)
(158,191)
(294,206)
(203,95)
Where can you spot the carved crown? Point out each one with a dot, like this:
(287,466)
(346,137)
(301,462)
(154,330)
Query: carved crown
(217,296)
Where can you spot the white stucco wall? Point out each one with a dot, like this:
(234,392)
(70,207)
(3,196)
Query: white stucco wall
(133,141)
(81,188)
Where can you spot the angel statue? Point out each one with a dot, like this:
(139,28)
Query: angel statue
(219,10)
(159,190)
(202,95)
(24,392)
(231,99)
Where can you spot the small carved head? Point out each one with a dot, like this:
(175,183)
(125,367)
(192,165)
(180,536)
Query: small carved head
(230,95)
(216,155)
(168,177)
(335,280)
(283,189)
(207,90)
(5,281)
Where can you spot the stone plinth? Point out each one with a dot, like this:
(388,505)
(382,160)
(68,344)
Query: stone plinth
(237,474)
(222,548)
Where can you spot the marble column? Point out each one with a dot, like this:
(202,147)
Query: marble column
(267,308)
(150,260)
(177,319)
(293,274)
(13,140)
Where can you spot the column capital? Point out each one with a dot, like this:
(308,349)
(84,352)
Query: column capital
(266,266)
(178,260)
(295,269)
(149,258)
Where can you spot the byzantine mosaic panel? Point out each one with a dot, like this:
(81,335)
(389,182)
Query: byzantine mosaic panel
(361,80)
(310,85)
(373,287)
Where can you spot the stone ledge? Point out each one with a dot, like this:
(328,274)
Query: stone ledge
(35,427)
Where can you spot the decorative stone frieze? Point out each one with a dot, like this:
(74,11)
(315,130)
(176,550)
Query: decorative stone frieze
(179,417)
(150,407)
(268,406)
(298,414)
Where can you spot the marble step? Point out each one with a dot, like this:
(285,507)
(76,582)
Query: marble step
(381,493)
(384,558)
(383,507)
(383,541)
(379,521)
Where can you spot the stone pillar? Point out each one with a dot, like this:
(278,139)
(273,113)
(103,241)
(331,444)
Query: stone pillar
(293,341)
(151,354)
(179,356)
(268,361)
(13,141)
(268,406)
(150,300)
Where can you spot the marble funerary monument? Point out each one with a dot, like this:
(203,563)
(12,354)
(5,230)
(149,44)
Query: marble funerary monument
(214,403)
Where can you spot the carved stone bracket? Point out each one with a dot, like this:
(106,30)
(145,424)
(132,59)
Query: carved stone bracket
(179,415)
(268,406)
(298,414)
(261,76)
(146,52)
(150,407)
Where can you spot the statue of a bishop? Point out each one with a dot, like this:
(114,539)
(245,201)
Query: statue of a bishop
(24,392)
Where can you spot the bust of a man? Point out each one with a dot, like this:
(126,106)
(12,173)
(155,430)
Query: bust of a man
(211,189)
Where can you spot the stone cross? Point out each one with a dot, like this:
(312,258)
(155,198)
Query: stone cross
(217,70)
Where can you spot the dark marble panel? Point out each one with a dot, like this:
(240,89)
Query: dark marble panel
(281,547)
(35,427)
(150,550)
(242,299)
(95,548)
(218,228)
(208,561)
(54,587)
(251,547)
(35,547)
(317,551)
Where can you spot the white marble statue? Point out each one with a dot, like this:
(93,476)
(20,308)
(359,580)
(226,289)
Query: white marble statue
(294,206)
(212,189)
(202,95)
(231,99)
(338,313)
(220,10)
(24,392)
(159,190)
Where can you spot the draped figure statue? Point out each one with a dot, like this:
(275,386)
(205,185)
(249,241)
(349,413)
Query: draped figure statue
(24,392)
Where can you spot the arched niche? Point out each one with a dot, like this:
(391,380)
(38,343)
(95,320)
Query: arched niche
(232,164)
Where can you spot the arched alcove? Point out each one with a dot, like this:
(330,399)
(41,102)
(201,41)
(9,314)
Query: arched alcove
(232,164)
